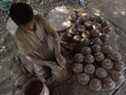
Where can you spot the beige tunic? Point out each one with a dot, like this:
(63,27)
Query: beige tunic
(39,48)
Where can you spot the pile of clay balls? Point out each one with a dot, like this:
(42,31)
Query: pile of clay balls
(86,45)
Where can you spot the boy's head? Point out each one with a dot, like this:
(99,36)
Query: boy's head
(21,13)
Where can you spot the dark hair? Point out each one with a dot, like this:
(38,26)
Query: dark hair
(21,13)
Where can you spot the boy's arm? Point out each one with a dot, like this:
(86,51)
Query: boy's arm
(57,39)
(61,61)
(34,66)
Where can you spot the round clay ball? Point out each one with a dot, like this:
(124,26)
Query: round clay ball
(77,38)
(81,20)
(107,49)
(85,41)
(89,68)
(89,59)
(88,25)
(107,29)
(78,68)
(83,78)
(96,48)
(104,23)
(97,40)
(73,17)
(92,18)
(86,50)
(107,64)
(98,20)
(95,33)
(99,56)
(80,28)
(117,76)
(108,84)
(101,73)
(95,85)
(116,56)
(79,57)
(105,37)
(120,66)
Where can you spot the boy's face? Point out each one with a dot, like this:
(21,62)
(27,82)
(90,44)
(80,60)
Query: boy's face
(29,26)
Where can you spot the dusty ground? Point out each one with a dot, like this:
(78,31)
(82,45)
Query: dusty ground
(113,10)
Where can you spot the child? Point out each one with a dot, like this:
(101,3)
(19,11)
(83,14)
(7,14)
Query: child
(38,44)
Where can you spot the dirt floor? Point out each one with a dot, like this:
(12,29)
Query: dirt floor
(113,10)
